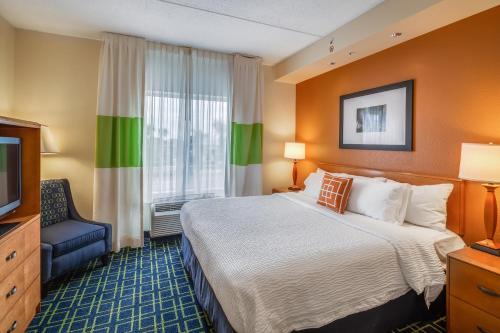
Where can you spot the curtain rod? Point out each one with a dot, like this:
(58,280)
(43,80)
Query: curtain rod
(248,56)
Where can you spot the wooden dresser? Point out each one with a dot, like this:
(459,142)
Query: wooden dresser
(473,292)
(20,247)
(19,274)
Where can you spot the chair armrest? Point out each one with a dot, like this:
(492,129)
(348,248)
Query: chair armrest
(46,254)
(108,235)
(74,215)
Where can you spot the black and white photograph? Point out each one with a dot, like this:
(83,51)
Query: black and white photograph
(378,119)
(371,119)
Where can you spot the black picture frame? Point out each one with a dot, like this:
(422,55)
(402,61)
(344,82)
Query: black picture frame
(408,146)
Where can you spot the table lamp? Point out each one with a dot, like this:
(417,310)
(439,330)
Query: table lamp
(481,163)
(47,143)
(295,151)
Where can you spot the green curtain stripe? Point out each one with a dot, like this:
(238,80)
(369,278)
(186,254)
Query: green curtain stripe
(119,142)
(246,144)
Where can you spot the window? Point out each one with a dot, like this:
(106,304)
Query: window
(187,122)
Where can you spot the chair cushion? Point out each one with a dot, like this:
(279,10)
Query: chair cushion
(71,235)
(54,206)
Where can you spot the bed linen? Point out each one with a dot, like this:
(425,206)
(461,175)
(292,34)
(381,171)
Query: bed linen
(281,263)
(409,308)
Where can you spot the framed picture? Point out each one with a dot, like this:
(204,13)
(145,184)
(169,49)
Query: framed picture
(378,119)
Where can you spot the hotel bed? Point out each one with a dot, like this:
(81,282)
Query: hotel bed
(282,263)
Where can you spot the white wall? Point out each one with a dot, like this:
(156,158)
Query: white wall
(279,127)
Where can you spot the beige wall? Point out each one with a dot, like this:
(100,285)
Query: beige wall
(279,127)
(7,45)
(56,85)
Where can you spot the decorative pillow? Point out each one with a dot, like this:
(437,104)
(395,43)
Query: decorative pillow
(54,207)
(335,192)
(380,200)
(427,205)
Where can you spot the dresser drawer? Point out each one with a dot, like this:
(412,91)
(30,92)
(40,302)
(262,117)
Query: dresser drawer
(11,254)
(464,318)
(17,246)
(32,299)
(20,314)
(475,286)
(15,284)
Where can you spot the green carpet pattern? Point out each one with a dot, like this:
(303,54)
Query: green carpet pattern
(141,290)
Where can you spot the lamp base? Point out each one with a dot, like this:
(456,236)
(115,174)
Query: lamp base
(487,245)
(294,188)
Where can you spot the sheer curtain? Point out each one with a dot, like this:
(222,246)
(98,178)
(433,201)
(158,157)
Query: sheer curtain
(187,115)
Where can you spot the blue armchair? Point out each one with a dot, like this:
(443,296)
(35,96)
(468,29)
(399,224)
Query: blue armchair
(68,240)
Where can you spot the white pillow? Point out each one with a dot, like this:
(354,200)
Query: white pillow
(354,177)
(313,184)
(380,200)
(314,181)
(427,206)
(406,200)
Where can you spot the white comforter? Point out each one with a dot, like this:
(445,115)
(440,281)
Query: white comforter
(281,263)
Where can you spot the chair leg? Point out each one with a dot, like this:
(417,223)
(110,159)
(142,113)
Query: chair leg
(105,259)
(45,289)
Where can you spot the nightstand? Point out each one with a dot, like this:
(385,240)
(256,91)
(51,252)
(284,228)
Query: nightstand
(473,292)
(283,190)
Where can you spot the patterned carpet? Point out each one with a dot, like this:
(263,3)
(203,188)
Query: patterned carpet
(141,290)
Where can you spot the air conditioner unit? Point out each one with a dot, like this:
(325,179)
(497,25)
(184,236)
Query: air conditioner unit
(165,214)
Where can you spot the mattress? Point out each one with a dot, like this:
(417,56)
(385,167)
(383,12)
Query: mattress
(281,263)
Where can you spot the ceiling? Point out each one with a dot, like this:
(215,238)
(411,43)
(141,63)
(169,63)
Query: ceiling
(271,29)
(372,32)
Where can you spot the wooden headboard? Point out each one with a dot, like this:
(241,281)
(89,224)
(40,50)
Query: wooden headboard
(455,209)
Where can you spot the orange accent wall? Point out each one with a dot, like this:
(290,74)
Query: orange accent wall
(456,99)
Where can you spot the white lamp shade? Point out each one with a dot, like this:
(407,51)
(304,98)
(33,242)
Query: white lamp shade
(295,150)
(47,143)
(480,162)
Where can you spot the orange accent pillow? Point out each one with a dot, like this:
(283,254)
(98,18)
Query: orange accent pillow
(335,192)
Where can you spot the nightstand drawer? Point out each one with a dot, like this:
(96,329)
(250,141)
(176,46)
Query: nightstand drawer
(475,286)
(465,318)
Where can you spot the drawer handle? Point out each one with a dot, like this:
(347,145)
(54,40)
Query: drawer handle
(482,330)
(11,256)
(12,327)
(11,292)
(488,291)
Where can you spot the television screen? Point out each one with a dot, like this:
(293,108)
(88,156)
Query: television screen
(10,174)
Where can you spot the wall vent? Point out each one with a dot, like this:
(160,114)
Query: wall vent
(165,214)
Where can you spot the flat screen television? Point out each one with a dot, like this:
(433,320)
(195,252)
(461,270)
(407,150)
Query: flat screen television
(10,174)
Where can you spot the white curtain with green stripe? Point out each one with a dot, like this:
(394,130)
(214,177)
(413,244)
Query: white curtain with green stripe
(118,171)
(246,128)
